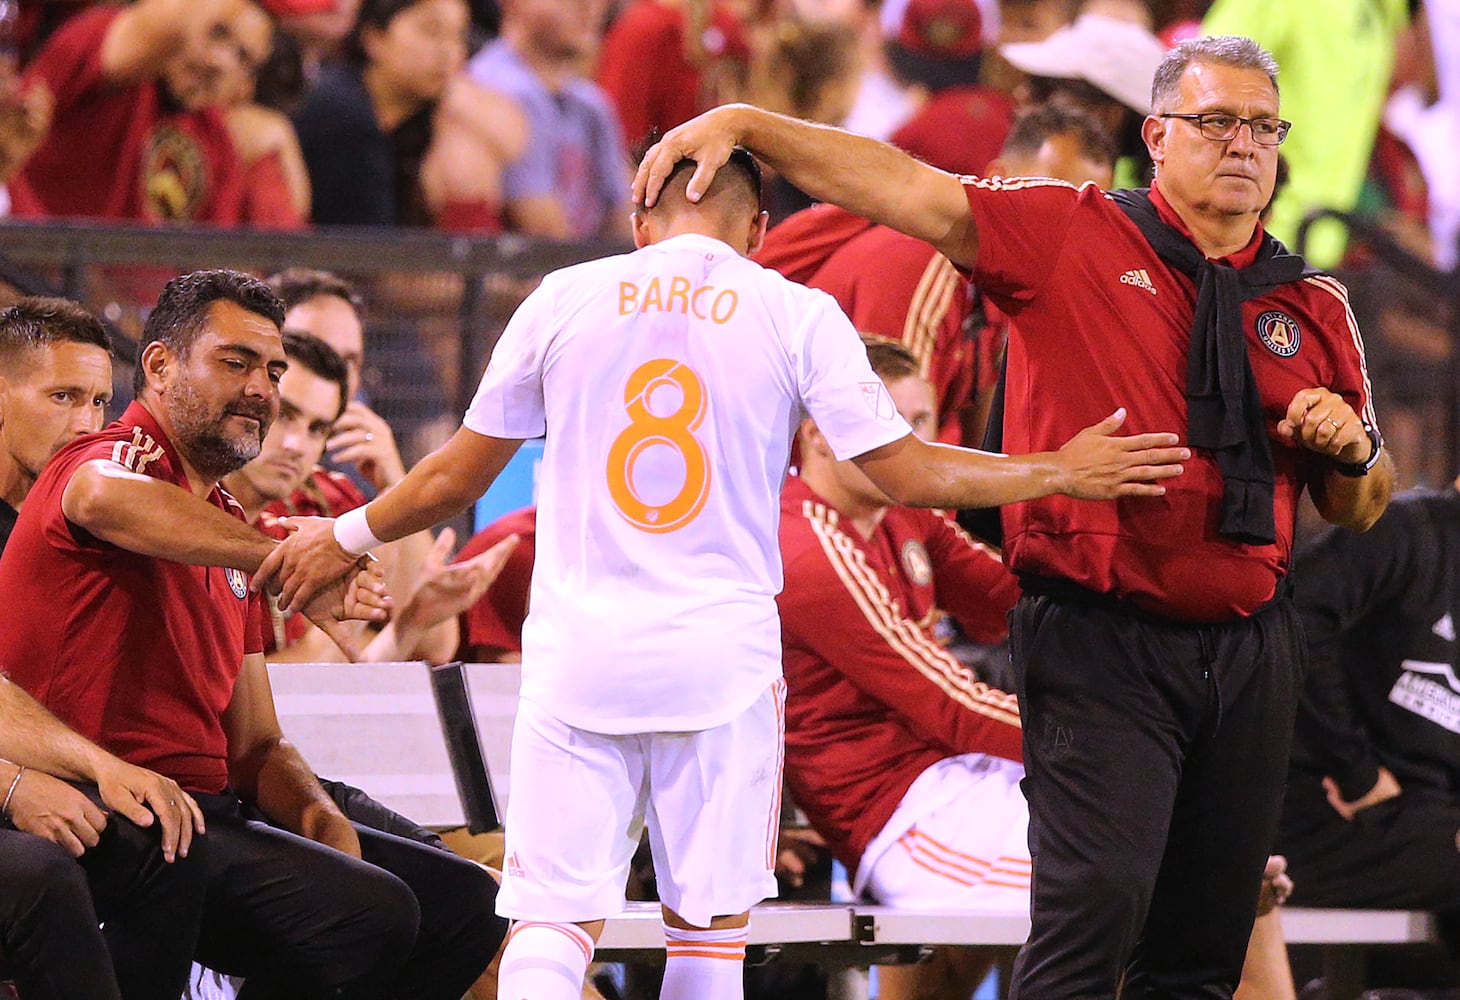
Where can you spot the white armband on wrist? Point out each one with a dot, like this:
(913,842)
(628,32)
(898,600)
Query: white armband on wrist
(353,533)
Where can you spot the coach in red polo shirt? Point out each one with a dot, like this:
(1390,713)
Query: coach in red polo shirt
(1156,651)
(122,622)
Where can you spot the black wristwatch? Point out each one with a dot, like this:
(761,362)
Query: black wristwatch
(1357,469)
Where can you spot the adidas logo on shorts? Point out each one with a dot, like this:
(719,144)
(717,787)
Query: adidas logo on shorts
(1140,278)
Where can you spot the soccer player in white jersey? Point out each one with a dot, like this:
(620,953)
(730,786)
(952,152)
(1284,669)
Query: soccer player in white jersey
(670,383)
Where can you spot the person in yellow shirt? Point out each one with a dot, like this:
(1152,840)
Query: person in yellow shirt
(1337,56)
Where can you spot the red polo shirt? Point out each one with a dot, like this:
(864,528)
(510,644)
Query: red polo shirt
(872,699)
(1100,322)
(890,285)
(135,653)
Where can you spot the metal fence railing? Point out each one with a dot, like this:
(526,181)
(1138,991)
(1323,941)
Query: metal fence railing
(1409,313)
(436,303)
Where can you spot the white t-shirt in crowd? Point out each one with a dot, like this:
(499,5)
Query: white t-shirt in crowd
(670,383)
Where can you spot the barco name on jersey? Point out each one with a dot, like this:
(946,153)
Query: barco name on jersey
(691,299)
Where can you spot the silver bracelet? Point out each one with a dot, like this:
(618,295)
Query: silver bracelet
(5,806)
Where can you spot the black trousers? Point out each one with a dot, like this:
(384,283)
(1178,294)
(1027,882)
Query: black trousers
(1154,756)
(51,903)
(297,919)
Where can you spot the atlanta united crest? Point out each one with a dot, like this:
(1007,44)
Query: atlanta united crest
(1279,333)
(915,562)
(236,582)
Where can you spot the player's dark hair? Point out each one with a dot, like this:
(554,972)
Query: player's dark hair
(741,161)
(38,321)
(890,359)
(323,360)
(1033,128)
(300,284)
(182,310)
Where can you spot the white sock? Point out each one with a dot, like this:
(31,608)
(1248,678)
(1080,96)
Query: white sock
(544,961)
(703,965)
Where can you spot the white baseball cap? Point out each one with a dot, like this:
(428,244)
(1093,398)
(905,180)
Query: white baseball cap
(1117,56)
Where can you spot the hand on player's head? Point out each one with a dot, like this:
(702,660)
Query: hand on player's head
(707,141)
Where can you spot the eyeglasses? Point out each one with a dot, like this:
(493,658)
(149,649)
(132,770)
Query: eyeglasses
(1221,127)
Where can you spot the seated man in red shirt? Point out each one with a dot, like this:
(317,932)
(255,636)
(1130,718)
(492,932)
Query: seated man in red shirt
(311,399)
(137,131)
(132,621)
(362,450)
(83,835)
(899,287)
(906,763)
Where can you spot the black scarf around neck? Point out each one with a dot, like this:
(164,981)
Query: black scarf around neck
(1224,409)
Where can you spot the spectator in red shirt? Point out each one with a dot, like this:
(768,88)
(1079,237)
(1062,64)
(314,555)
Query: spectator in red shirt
(939,45)
(145,84)
(1156,649)
(63,799)
(696,49)
(899,287)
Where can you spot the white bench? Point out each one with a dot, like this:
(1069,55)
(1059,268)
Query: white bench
(435,746)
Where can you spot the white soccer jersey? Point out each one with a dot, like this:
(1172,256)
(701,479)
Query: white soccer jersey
(670,383)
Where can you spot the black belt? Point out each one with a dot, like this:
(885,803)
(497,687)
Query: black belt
(1067,591)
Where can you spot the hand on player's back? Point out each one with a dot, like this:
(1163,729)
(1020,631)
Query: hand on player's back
(1098,464)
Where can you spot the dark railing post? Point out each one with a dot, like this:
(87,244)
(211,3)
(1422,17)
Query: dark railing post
(1444,285)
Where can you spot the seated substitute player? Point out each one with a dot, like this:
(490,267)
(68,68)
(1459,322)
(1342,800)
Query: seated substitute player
(79,828)
(311,397)
(907,763)
(669,383)
(361,444)
(132,621)
(491,629)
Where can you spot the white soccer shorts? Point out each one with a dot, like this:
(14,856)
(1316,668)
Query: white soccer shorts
(580,800)
(959,839)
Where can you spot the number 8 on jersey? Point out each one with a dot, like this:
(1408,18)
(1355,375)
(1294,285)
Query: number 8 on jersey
(674,429)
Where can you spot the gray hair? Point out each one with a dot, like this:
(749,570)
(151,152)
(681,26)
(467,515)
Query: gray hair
(1224,50)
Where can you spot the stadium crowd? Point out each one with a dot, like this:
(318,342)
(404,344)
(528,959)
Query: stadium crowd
(154,818)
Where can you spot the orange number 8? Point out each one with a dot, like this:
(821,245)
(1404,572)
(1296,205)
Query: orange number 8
(676,430)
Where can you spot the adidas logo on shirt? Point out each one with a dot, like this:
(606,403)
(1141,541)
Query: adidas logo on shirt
(1445,628)
(1140,278)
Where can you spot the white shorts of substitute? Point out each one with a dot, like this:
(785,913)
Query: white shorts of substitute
(580,800)
(959,839)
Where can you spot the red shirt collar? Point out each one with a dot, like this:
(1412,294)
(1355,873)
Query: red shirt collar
(1245,257)
(137,415)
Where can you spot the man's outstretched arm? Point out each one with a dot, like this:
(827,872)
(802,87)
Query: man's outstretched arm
(1095,464)
(870,178)
(441,485)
